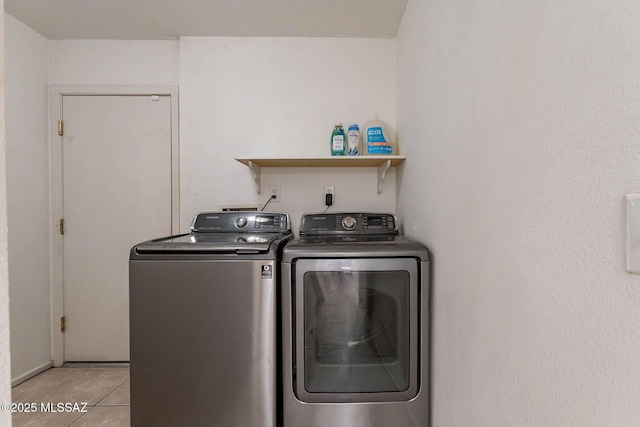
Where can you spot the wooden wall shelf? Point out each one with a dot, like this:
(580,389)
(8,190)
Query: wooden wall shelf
(383,163)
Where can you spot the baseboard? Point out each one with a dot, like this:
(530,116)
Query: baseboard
(32,373)
(95,365)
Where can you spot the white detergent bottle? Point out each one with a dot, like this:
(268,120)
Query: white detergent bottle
(353,140)
(378,138)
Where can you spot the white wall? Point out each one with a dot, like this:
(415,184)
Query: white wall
(5,357)
(31,60)
(520,121)
(278,97)
(113,62)
(27,112)
(302,190)
(253,97)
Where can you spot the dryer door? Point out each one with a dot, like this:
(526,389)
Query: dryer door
(356,329)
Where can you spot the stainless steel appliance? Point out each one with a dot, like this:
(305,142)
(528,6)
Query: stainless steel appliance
(203,323)
(355,320)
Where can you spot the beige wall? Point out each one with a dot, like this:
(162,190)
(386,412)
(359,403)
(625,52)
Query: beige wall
(5,358)
(238,97)
(27,123)
(279,97)
(520,121)
(253,97)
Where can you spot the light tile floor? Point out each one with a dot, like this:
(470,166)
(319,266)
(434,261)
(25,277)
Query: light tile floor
(103,388)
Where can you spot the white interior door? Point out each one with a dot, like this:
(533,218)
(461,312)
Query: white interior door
(116,172)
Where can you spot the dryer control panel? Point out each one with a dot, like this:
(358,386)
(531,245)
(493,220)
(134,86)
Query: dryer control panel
(348,223)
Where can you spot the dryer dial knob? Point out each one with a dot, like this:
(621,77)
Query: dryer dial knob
(241,221)
(349,223)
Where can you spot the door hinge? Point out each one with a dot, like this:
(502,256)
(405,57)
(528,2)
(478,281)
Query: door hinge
(63,324)
(62,226)
(60,127)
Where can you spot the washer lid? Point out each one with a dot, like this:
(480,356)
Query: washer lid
(238,243)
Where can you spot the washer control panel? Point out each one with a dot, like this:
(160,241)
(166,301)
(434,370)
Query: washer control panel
(243,221)
(347,223)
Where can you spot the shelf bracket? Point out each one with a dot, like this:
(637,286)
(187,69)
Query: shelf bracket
(382,173)
(256,174)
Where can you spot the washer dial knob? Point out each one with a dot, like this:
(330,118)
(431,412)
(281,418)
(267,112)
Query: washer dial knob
(241,221)
(349,222)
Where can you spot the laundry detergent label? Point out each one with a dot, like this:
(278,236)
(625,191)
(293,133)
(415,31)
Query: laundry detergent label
(338,143)
(376,142)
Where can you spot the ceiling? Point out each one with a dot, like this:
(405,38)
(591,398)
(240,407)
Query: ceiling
(171,19)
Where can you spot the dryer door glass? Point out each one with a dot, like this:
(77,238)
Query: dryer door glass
(358,325)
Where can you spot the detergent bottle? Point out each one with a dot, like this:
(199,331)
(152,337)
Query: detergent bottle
(338,143)
(353,137)
(378,138)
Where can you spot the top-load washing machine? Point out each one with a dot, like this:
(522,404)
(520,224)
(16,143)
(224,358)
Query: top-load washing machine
(203,323)
(355,307)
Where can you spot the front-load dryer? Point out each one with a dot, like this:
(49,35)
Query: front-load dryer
(355,315)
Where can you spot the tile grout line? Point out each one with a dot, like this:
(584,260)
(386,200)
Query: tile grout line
(107,395)
(55,387)
(38,397)
(96,404)
(74,376)
(93,407)
(79,417)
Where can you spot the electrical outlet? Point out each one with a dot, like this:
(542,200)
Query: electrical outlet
(275,191)
(329,195)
